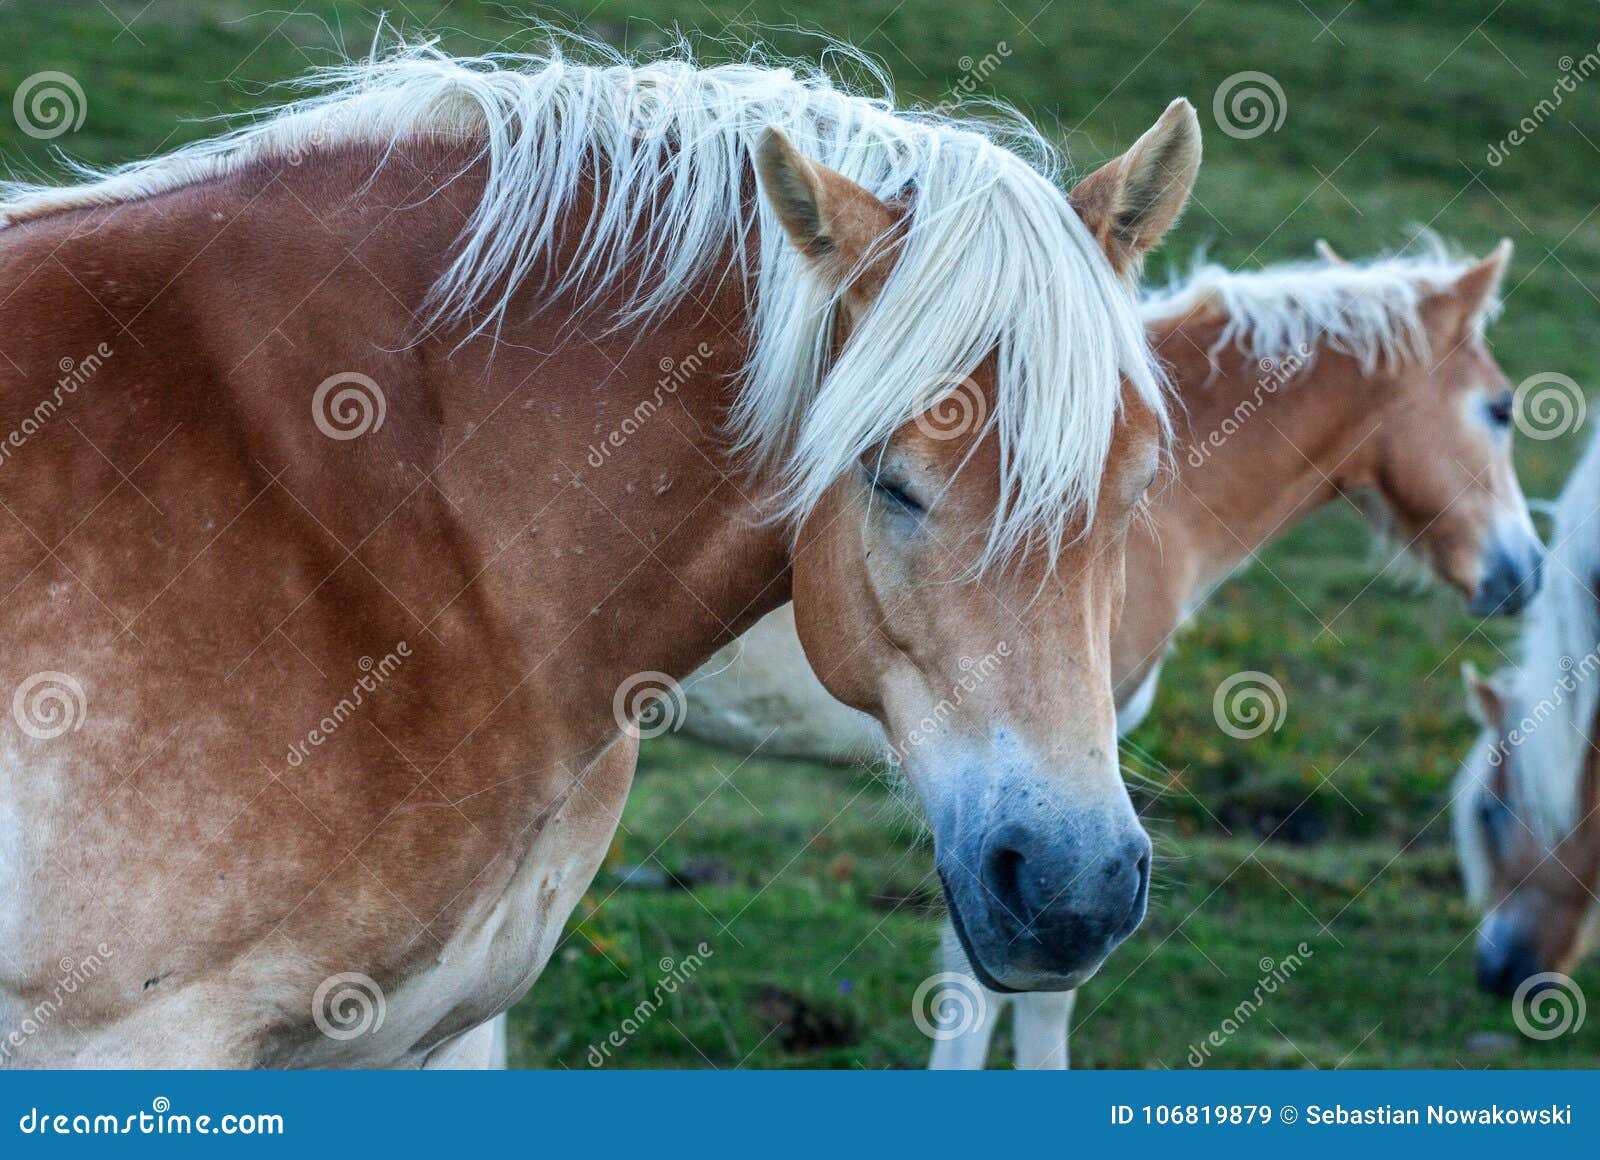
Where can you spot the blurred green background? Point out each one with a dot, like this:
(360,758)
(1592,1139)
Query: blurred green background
(812,887)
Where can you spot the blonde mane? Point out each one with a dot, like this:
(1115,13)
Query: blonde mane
(993,258)
(1555,689)
(1368,310)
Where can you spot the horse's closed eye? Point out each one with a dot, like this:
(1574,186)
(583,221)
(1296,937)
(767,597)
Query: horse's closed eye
(897,493)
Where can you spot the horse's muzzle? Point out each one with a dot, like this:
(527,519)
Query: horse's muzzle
(1039,903)
(1513,569)
(1505,962)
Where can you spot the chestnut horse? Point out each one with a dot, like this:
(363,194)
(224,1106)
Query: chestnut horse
(1300,383)
(1527,800)
(349,529)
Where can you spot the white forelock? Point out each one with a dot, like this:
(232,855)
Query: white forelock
(992,260)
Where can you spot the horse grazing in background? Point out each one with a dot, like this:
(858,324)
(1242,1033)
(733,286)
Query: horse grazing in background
(1527,799)
(1300,384)
(369,382)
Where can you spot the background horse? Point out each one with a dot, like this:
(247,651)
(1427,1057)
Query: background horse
(1527,799)
(353,366)
(1300,384)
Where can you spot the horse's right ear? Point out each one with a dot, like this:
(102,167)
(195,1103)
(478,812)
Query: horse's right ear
(830,219)
(1129,203)
(1478,286)
(1486,700)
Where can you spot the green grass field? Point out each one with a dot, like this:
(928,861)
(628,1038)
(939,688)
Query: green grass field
(812,888)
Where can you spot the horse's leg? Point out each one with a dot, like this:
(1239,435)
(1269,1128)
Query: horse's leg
(481,1049)
(1042,1026)
(968,1048)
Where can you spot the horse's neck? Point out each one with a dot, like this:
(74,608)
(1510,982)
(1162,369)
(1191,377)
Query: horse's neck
(671,541)
(1254,456)
(1260,447)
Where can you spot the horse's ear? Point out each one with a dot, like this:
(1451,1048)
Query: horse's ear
(1130,202)
(830,219)
(1327,253)
(1486,700)
(1475,290)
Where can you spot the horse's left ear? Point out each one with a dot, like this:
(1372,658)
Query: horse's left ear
(1474,292)
(1129,203)
(830,219)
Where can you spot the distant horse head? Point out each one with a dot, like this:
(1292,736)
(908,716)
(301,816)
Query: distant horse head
(961,582)
(1459,506)
(1536,889)
(1527,799)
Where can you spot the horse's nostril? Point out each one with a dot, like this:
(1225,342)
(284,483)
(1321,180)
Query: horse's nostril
(1005,875)
(1502,971)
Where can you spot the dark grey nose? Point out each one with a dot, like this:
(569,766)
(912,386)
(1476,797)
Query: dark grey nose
(1511,578)
(1061,911)
(1505,963)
